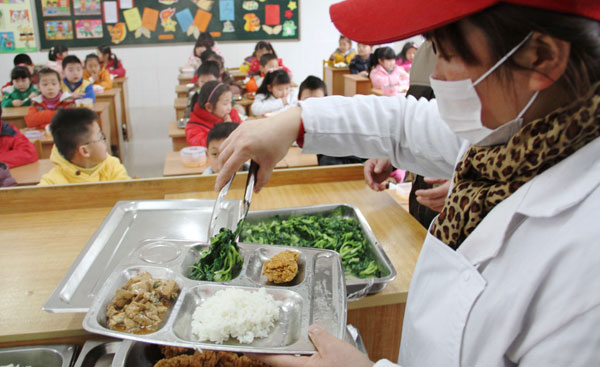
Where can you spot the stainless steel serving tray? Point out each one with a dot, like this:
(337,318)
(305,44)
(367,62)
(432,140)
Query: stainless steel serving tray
(39,355)
(129,224)
(355,287)
(98,353)
(315,296)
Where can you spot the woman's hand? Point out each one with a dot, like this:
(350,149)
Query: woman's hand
(331,352)
(434,198)
(377,172)
(265,141)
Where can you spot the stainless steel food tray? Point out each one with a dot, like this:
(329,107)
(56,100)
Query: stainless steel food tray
(39,355)
(315,296)
(129,224)
(355,287)
(98,353)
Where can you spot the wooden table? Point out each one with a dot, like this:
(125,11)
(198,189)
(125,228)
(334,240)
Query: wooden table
(113,98)
(15,115)
(182,91)
(295,158)
(356,84)
(334,78)
(30,174)
(180,105)
(237,75)
(177,136)
(121,83)
(185,78)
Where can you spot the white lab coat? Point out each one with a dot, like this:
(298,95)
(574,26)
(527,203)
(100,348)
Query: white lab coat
(263,104)
(524,288)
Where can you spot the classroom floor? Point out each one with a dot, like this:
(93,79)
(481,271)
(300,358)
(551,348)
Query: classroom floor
(145,154)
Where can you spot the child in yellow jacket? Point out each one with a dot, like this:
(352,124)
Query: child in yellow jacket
(343,54)
(96,74)
(79,151)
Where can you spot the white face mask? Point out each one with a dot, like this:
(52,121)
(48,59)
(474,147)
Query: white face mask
(460,108)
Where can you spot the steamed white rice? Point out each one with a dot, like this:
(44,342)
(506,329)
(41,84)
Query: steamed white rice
(241,314)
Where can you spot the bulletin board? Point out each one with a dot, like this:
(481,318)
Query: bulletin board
(16,27)
(89,23)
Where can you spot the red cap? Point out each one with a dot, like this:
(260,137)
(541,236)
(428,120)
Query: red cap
(382,21)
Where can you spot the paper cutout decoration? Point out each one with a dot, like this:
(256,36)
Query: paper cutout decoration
(252,23)
(88,28)
(132,18)
(289,28)
(51,8)
(205,5)
(117,32)
(166,20)
(250,5)
(228,27)
(20,16)
(272,30)
(202,19)
(58,30)
(288,14)
(149,19)
(166,37)
(86,7)
(215,34)
(7,41)
(111,14)
(185,19)
(167,2)
(292,5)
(126,4)
(272,15)
(226,10)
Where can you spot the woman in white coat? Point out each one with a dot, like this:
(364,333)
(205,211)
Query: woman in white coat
(509,273)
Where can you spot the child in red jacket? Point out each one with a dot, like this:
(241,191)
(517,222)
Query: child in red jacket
(211,106)
(15,149)
(44,106)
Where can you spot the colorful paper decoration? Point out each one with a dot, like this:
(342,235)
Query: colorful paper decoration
(202,19)
(149,19)
(250,5)
(86,7)
(88,28)
(132,18)
(226,10)
(166,20)
(289,28)
(288,14)
(168,2)
(292,5)
(58,30)
(7,41)
(228,27)
(272,30)
(126,4)
(166,37)
(117,32)
(51,8)
(111,14)
(272,14)
(205,5)
(252,23)
(185,19)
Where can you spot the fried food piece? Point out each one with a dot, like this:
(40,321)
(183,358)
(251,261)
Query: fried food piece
(206,358)
(169,351)
(282,268)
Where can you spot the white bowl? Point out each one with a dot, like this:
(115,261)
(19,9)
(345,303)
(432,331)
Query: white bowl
(193,157)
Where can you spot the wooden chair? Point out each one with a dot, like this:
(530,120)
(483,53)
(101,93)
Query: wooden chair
(37,143)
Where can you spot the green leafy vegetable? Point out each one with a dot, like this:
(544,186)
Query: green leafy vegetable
(332,232)
(221,261)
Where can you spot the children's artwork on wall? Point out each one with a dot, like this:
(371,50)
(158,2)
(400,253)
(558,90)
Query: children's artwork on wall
(16,26)
(111,14)
(288,14)
(55,8)
(289,28)
(252,23)
(226,10)
(272,30)
(86,7)
(132,19)
(185,19)
(167,2)
(292,5)
(7,41)
(126,4)
(250,5)
(88,28)
(20,16)
(205,5)
(58,30)
(12,1)
(166,19)
(117,32)
(149,20)
(228,27)
(272,14)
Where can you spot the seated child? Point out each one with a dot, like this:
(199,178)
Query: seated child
(385,74)
(73,81)
(56,54)
(406,56)
(96,74)
(216,137)
(360,62)
(44,107)
(268,62)
(79,151)
(22,89)
(204,42)
(312,87)
(208,72)
(251,64)
(212,105)
(15,149)
(110,62)
(274,94)
(344,53)
(23,60)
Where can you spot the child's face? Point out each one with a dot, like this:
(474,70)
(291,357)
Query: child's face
(262,51)
(103,57)
(364,50)
(96,145)
(388,64)
(270,66)
(410,54)
(199,50)
(92,66)
(214,149)
(22,84)
(74,72)
(280,90)
(49,85)
(62,55)
(204,79)
(345,45)
(223,106)
(311,93)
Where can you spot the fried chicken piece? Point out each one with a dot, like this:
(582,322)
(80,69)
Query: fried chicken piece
(208,358)
(169,351)
(282,268)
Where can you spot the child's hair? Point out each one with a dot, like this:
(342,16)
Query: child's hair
(210,67)
(70,127)
(55,50)
(220,131)
(264,59)
(47,71)
(407,46)
(71,59)
(204,40)
(20,72)
(264,45)
(105,50)
(210,93)
(211,55)
(342,37)
(90,57)
(22,59)
(312,83)
(385,53)
(274,77)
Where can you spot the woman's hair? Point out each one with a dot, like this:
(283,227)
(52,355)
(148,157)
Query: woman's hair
(210,93)
(47,71)
(385,53)
(505,25)
(55,50)
(90,57)
(407,46)
(272,78)
(204,40)
(105,50)
(260,45)
(20,72)
(312,83)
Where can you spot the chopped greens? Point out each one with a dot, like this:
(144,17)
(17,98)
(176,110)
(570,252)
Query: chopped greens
(221,261)
(332,232)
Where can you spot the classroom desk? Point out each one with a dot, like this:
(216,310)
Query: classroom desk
(237,75)
(177,136)
(182,91)
(246,103)
(185,78)
(356,84)
(180,105)
(15,115)
(113,98)
(121,83)
(334,78)
(30,174)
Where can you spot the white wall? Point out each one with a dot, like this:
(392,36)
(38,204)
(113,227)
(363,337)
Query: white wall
(153,70)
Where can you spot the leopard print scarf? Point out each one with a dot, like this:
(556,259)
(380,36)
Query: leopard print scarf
(486,175)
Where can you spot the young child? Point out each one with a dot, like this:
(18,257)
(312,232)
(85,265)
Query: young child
(73,81)
(79,151)
(344,53)
(407,54)
(207,72)
(360,62)
(51,99)
(212,105)
(385,74)
(55,57)
(96,74)
(110,62)
(23,60)
(312,87)
(268,62)
(15,149)
(22,89)
(204,42)
(251,64)
(274,94)
(215,138)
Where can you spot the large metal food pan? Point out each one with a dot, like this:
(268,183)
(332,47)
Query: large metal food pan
(39,355)
(98,353)
(316,296)
(355,287)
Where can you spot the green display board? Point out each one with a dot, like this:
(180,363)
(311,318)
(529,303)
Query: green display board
(89,23)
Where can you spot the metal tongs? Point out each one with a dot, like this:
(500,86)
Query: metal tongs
(218,207)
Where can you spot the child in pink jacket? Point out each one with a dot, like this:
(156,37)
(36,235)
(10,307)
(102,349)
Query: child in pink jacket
(385,74)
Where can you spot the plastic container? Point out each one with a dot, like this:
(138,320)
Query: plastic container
(193,157)
(33,134)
